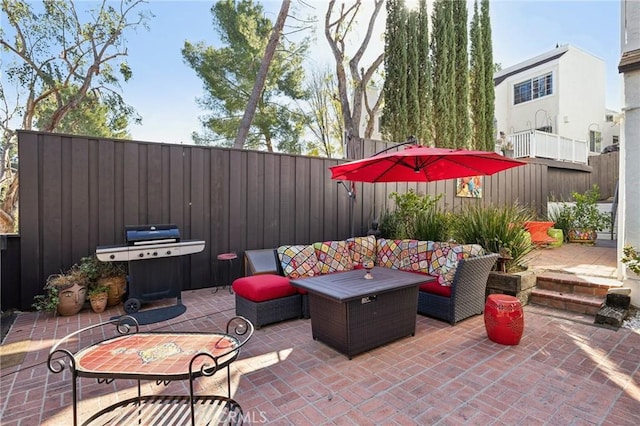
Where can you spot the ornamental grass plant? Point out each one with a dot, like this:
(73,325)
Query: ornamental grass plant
(497,229)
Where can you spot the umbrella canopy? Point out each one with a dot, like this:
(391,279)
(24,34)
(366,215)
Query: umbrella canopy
(420,164)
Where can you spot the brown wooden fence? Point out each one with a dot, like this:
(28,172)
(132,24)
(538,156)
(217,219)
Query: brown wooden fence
(77,193)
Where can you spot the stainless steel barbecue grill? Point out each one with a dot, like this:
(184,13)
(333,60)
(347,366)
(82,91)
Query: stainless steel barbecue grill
(153,253)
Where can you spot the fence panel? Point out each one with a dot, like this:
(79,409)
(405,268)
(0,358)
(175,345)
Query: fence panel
(77,193)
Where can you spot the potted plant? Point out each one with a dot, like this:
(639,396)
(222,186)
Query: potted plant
(98,296)
(65,294)
(583,217)
(106,274)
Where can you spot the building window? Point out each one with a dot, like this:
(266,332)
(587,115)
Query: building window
(533,89)
(615,140)
(595,140)
(608,118)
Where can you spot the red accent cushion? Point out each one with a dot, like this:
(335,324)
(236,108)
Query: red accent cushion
(259,288)
(435,288)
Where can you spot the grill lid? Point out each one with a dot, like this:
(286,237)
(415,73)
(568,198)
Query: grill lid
(151,234)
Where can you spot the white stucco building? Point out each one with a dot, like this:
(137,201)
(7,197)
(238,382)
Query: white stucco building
(562,92)
(629,224)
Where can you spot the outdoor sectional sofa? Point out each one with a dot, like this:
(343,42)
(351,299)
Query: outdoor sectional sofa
(458,292)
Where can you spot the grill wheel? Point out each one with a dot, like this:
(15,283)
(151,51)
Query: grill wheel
(132,305)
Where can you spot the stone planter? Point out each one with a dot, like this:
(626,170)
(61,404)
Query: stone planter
(518,284)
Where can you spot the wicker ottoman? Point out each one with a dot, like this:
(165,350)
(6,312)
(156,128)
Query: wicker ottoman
(266,299)
(504,319)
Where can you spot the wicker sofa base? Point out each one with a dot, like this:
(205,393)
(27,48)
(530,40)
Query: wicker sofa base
(467,291)
(270,311)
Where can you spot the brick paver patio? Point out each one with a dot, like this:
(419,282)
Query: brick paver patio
(564,371)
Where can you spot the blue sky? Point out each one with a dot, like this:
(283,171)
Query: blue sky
(164,89)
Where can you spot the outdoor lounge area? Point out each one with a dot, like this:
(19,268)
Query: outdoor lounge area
(564,371)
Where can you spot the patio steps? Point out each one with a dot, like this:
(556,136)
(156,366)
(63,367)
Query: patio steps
(576,293)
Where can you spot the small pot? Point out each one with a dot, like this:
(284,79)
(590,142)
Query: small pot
(99,302)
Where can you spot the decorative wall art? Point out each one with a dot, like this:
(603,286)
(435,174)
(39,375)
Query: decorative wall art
(470,187)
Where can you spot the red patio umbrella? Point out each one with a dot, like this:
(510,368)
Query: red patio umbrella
(420,164)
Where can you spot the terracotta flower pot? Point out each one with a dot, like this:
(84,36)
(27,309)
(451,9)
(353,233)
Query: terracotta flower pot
(99,302)
(71,300)
(117,286)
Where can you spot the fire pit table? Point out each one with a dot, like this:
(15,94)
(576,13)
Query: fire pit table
(353,314)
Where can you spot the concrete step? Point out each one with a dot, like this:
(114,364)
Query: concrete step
(576,293)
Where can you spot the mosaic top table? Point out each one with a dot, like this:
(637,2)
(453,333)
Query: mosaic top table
(159,356)
(353,314)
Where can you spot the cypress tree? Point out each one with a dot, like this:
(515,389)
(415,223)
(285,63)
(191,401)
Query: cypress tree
(489,87)
(442,62)
(394,117)
(461,75)
(424,76)
(413,82)
(477,87)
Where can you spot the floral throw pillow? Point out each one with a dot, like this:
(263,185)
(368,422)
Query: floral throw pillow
(389,253)
(443,262)
(415,256)
(333,256)
(362,248)
(298,261)
(445,257)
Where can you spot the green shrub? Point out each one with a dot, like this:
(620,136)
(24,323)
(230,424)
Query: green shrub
(388,225)
(497,229)
(433,225)
(631,259)
(411,212)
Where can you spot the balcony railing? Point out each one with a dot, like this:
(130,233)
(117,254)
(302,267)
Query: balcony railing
(536,144)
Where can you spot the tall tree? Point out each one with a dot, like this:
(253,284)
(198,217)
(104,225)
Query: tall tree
(59,58)
(325,117)
(477,86)
(442,54)
(92,117)
(229,72)
(424,75)
(412,75)
(461,75)
(394,119)
(258,86)
(489,86)
(352,90)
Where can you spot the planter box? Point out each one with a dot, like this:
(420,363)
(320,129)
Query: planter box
(519,284)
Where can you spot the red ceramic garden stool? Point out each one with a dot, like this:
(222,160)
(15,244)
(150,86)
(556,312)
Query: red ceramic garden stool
(504,319)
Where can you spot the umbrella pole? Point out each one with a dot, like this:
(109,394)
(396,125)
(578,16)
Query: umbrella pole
(352,200)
